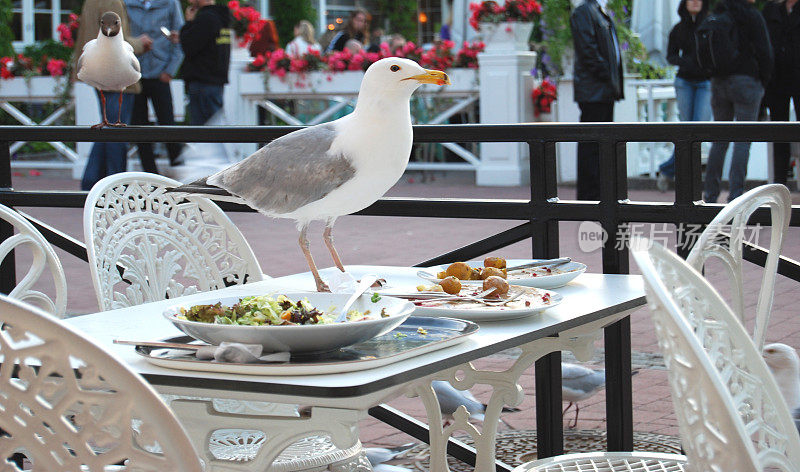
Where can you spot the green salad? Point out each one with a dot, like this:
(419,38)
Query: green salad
(264,310)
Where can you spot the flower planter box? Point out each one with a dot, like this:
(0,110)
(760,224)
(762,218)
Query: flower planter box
(507,36)
(25,89)
(340,83)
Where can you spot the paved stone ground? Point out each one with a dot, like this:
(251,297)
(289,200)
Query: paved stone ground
(405,241)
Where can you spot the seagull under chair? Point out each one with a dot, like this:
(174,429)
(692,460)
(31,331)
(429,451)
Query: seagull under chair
(331,169)
(108,63)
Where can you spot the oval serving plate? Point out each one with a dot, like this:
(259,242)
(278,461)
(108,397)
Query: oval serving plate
(415,336)
(300,338)
(533,277)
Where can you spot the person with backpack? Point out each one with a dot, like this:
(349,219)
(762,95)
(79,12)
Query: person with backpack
(733,46)
(692,84)
(783,22)
(597,83)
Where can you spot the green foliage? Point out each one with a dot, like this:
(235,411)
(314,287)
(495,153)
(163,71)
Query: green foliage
(287,13)
(555,34)
(401,16)
(6,35)
(50,48)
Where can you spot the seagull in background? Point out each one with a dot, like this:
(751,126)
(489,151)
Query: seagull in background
(577,384)
(451,398)
(108,63)
(331,169)
(784,363)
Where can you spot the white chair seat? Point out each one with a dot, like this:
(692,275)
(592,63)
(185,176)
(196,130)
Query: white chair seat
(608,462)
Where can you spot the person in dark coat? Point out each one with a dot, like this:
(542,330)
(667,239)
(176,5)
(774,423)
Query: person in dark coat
(783,22)
(598,83)
(737,94)
(692,84)
(206,42)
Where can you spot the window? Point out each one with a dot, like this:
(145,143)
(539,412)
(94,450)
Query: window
(38,20)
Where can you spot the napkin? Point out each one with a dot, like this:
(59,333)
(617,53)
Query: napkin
(342,282)
(240,354)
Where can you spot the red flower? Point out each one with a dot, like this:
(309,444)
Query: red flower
(543,97)
(56,67)
(5,73)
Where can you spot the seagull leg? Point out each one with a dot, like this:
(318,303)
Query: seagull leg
(105,119)
(321,286)
(565,409)
(575,424)
(119,122)
(328,237)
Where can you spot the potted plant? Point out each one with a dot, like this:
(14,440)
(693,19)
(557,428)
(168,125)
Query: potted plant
(507,27)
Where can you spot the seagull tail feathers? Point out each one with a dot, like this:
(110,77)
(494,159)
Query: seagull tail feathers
(202,187)
(506,409)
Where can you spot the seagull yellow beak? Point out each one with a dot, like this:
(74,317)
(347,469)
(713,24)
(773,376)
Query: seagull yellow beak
(431,77)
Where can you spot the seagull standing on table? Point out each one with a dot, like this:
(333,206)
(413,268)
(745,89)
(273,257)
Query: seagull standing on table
(108,63)
(331,169)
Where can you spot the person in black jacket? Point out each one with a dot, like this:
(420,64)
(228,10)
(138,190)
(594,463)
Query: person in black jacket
(783,22)
(692,84)
(597,81)
(737,95)
(206,42)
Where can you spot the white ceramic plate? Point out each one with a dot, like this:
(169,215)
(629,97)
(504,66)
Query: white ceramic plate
(537,300)
(301,338)
(403,342)
(533,277)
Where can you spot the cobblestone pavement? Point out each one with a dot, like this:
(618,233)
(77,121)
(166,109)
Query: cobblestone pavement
(406,241)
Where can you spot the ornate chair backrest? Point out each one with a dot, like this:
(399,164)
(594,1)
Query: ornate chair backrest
(73,406)
(43,255)
(168,244)
(724,236)
(730,412)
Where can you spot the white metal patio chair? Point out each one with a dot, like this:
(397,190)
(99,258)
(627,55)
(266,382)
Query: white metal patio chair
(43,256)
(723,239)
(730,413)
(74,407)
(170,246)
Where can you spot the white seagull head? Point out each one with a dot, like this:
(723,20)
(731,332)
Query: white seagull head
(781,358)
(110,24)
(396,75)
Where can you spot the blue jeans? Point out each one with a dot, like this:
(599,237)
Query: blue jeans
(204,101)
(108,158)
(694,104)
(735,97)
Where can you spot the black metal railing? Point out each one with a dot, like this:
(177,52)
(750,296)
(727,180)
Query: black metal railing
(539,219)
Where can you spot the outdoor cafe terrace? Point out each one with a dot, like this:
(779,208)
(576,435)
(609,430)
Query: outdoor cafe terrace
(435,218)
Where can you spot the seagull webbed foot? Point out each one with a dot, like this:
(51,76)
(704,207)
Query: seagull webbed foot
(322,286)
(118,124)
(102,124)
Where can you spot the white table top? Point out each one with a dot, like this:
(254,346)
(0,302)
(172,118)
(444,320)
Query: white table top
(588,298)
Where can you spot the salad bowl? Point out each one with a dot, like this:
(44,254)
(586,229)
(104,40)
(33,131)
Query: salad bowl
(381,316)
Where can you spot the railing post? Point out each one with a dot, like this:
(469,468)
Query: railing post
(619,396)
(8,267)
(550,440)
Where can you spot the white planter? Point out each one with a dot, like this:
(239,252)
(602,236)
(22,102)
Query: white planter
(507,36)
(339,83)
(22,89)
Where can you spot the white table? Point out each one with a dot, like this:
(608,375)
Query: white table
(339,401)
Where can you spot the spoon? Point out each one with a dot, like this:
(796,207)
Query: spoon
(547,262)
(365,283)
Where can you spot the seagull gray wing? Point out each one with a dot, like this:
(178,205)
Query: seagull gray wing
(581,380)
(450,399)
(288,173)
